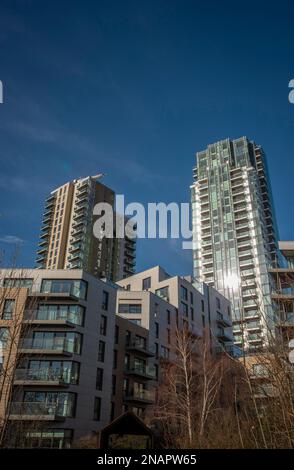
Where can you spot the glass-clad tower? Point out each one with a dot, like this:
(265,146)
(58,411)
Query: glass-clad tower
(234,233)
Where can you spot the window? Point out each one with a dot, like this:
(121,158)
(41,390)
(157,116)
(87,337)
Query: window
(18,282)
(163,293)
(103,325)
(65,371)
(101,351)
(99,379)
(72,313)
(156,351)
(113,385)
(229,311)
(128,287)
(127,361)
(184,309)
(184,293)
(192,313)
(55,340)
(164,352)
(203,321)
(202,305)
(191,298)
(168,335)
(50,403)
(146,284)
(130,308)
(105,299)
(4,333)
(97,409)
(116,334)
(156,330)
(114,358)
(8,309)
(112,411)
(218,304)
(168,316)
(49,438)
(78,288)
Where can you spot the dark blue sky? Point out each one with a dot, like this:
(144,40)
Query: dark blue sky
(134,89)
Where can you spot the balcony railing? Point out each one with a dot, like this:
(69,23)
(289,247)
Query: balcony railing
(42,375)
(56,315)
(39,409)
(224,321)
(146,396)
(139,346)
(56,344)
(147,372)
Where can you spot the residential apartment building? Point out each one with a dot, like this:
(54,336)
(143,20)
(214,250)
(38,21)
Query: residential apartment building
(67,240)
(78,351)
(234,233)
(283,295)
(162,303)
(57,331)
(134,375)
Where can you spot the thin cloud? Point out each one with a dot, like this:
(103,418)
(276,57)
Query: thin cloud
(12,240)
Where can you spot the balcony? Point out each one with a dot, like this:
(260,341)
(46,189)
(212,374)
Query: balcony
(139,347)
(140,396)
(251,313)
(230,349)
(41,377)
(254,338)
(252,326)
(37,411)
(283,294)
(222,335)
(223,320)
(56,346)
(143,372)
(58,318)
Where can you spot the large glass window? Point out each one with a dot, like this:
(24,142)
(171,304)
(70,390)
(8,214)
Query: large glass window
(69,341)
(130,308)
(76,287)
(50,370)
(49,403)
(71,313)
(8,309)
(4,334)
(163,292)
(49,438)
(18,282)
(146,283)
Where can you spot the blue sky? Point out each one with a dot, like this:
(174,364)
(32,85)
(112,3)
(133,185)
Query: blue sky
(134,89)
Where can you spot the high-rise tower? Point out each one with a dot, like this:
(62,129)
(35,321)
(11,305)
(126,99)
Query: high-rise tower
(234,233)
(67,240)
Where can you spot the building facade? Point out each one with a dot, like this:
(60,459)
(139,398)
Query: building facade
(67,240)
(78,351)
(56,328)
(234,233)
